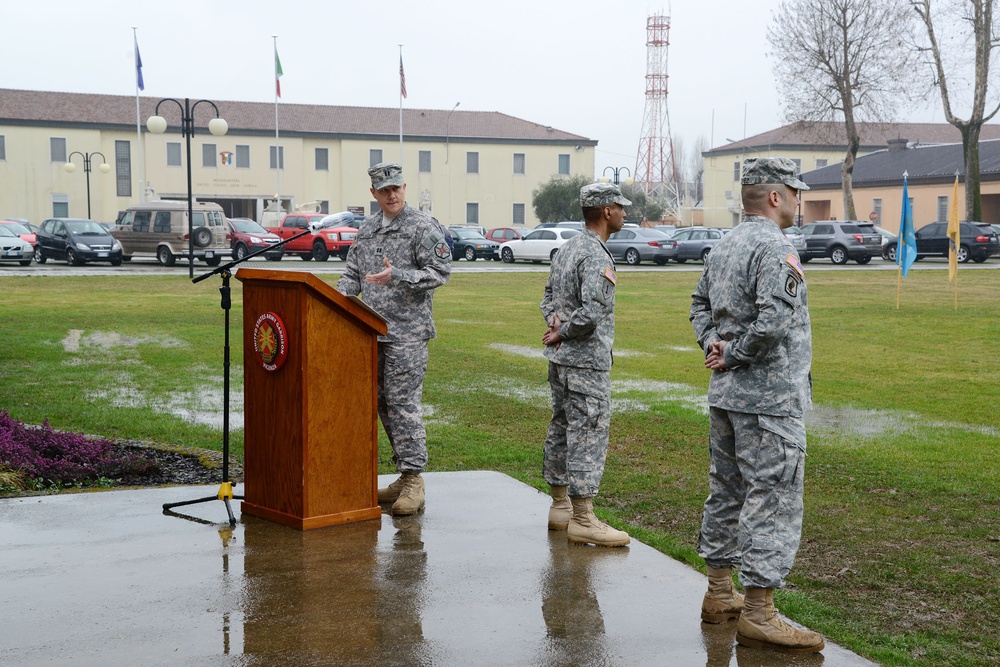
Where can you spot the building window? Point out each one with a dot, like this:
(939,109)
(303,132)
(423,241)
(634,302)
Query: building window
(820,162)
(60,206)
(242,157)
(736,171)
(322,159)
(877,207)
(173,153)
(277,157)
(208,157)
(3,147)
(518,218)
(518,163)
(424,162)
(324,206)
(57,149)
(798,165)
(472,214)
(123,168)
(373,208)
(472,162)
(374,156)
(942,213)
(564,164)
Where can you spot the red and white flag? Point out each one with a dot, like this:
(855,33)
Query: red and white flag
(402,78)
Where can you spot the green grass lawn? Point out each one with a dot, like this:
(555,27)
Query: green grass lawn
(901,539)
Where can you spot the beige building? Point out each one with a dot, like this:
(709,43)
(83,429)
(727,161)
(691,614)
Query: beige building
(878,185)
(812,146)
(474,167)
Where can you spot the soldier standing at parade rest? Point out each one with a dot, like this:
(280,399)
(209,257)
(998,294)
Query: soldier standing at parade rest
(398,258)
(579,309)
(751,316)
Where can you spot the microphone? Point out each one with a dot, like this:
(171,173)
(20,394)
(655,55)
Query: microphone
(335,220)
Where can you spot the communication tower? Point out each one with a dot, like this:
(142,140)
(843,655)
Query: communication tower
(655,170)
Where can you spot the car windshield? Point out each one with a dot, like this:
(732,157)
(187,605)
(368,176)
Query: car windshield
(16,227)
(6,231)
(85,227)
(247,226)
(792,231)
(467,235)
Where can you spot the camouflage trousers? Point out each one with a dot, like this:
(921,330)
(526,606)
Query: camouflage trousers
(752,519)
(577,442)
(401,369)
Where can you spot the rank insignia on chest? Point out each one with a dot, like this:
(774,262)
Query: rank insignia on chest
(378,251)
(441,250)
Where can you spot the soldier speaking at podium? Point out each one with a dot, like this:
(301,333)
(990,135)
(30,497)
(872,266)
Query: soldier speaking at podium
(398,259)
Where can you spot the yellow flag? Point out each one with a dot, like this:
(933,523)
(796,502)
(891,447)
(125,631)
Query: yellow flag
(954,234)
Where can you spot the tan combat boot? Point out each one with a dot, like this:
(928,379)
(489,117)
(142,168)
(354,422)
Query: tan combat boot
(722,603)
(390,493)
(585,528)
(411,494)
(561,510)
(761,627)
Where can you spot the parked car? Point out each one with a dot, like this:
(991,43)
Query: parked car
(886,235)
(504,234)
(692,243)
(472,245)
(476,228)
(841,240)
(638,244)
(13,248)
(21,230)
(669,230)
(570,224)
(536,246)
(977,241)
(159,228)
(77,241)
(247,237)
(794,234)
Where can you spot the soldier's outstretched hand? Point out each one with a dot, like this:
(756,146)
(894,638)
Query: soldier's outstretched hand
(382,277)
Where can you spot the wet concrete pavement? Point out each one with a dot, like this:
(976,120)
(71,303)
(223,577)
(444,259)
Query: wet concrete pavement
(108,579)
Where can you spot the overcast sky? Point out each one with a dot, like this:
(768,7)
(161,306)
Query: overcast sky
(576,65)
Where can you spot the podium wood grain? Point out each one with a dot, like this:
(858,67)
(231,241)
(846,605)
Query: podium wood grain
(310,428)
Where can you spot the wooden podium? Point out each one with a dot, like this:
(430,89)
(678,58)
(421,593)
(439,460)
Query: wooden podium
(310,373)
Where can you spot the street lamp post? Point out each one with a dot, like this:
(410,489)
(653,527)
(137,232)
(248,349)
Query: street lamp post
(70,167)
(217,126)
(616,175)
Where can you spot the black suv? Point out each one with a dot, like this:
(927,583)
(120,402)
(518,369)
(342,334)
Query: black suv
(841,240)
(977,241)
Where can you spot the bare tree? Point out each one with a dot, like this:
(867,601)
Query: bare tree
(843,59)
(696,167)
(978,18)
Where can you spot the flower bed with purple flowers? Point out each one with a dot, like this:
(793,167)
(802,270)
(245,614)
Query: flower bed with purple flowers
(41,458)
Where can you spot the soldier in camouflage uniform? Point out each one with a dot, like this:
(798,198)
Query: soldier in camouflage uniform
(579,309)
(398,258)
(750,314)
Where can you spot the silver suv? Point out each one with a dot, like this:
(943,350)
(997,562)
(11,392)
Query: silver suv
(692,243)
(841,240)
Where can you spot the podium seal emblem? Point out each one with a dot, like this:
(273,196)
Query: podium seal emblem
(270,341)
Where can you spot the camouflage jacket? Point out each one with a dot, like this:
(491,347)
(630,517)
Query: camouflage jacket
(752,293)
(415,246)
(581,291)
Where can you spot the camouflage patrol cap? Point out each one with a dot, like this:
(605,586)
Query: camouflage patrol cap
(385,174)
(763,170)
(602,194)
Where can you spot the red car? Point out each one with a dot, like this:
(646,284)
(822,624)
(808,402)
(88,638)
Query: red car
(504,234)
(22,231)
(246,236)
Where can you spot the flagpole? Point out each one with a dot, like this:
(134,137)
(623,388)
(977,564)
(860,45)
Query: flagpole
(277,144)
(401,84)
(138,120)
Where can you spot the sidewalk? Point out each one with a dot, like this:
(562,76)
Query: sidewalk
(107,579)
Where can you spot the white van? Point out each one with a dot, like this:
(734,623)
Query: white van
(160,229)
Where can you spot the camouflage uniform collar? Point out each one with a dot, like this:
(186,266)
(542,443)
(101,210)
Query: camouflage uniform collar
(759,218)
(396,222)
(591,232)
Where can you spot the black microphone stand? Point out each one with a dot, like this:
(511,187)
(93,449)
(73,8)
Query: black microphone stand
(225,493)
